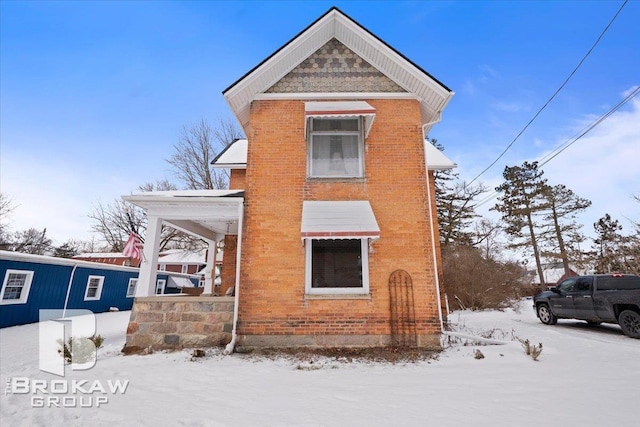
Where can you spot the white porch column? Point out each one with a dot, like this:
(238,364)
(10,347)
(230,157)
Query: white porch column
(210,271)
(148,269)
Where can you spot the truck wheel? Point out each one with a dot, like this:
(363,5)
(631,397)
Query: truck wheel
(630,323)
(546,316)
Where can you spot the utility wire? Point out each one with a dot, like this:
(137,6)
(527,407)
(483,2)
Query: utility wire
(602,118)
(552,96)
(551,155)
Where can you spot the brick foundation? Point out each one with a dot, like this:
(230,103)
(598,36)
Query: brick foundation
(327,341)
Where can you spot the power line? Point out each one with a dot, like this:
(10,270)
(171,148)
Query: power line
(552,96)
(551,155)
(602,118)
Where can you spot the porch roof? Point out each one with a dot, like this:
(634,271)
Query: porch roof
(209,214)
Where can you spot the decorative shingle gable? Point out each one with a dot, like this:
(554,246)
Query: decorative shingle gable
(334,68)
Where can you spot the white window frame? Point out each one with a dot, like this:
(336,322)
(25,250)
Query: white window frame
(26,287)
(160,285)
(162,267)
(361,148)
(364,290)
(131,288)
(184,269)
(98,294)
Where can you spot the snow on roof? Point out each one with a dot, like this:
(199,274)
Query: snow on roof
(232,157)
(181,256)
(237,157)
(436,160)
(44,259)
(101,255)
(338,219)
(182,193)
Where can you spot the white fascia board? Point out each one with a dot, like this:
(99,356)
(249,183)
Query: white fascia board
(334,95)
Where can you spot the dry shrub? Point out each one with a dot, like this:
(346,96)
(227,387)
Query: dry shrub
(473,281)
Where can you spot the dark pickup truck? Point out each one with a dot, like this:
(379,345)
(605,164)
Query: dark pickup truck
(599,298)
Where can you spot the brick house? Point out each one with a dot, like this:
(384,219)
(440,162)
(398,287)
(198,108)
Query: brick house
(329,225)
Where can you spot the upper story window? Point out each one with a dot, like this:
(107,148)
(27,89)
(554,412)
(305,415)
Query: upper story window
(336,148)
(336,138)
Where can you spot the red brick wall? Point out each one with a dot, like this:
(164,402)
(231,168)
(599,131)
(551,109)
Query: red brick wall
(273,257)
(236,180)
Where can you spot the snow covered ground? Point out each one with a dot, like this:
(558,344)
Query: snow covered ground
(586,376)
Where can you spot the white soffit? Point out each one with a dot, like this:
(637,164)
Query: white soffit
(232,157)
(433,95)
(342,109)
(436,160)
(338,220)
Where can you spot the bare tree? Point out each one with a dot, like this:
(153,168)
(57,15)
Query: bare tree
(6,207)
(115,221)
(31,241)
(112,222)
(198,145)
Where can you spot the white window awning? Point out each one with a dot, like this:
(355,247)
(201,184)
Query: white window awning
(342,109)
(338,220)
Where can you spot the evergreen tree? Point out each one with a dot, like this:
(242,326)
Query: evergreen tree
(607,244)
(66,250)
(563,234)
(521,199)
(455,206)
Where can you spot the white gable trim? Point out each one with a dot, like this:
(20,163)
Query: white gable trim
(335,95)
(432,94)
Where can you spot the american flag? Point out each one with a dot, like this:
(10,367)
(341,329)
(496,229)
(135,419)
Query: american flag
(133,247)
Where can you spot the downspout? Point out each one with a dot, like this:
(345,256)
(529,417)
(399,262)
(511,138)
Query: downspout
(433,234)
(66,298)
(234,332)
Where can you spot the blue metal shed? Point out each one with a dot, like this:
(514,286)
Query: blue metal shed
(34,282)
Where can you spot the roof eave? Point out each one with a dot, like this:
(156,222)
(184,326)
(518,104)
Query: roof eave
(433,94)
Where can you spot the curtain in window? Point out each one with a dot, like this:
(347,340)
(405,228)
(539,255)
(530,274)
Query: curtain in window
(335,155)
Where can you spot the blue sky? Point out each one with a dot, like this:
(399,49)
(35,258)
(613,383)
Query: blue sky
(93,95)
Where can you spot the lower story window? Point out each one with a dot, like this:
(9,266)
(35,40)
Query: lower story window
(160,284)
(131,289)
(94,288)
(16,286)
(338,266)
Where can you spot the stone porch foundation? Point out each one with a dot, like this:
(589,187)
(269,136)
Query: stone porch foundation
(177,322)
